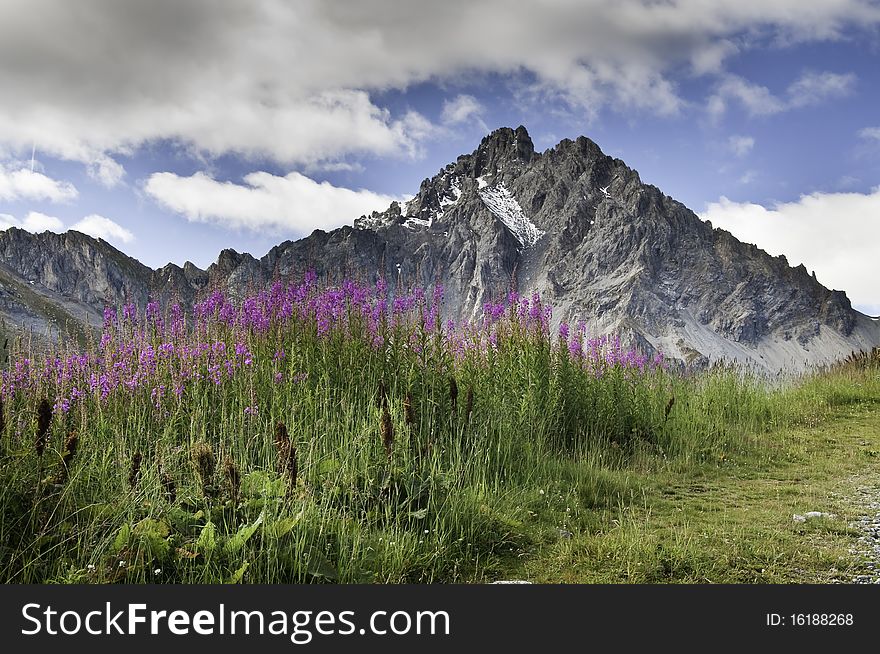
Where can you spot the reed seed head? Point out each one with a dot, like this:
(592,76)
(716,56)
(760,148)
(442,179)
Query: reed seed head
(453,392)
(409,414)
(381,394)
(134,471)
(292,467)
(203,456)
(387,430)
(44,420)
(70,446)
(233,477)
(282,446)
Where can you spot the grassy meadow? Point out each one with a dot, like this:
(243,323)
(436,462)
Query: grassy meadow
(343,435)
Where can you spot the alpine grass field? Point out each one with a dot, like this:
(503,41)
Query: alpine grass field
(341,434)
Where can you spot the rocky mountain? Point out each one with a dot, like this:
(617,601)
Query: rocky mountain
(574,224)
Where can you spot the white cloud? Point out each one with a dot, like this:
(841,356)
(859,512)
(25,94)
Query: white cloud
(817,87)
(811,88)
(34,221)
(757,100)
(293,204)
(835,234)
(106,170)
(293,81)
(26,184)
(39,222)
(93,225)
(748,177)
(710,58)
(7,221)
(100,227)
(740,145)
(335,167)
(462,109)
(870,133)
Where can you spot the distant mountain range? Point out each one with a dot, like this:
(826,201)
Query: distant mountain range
(571,223)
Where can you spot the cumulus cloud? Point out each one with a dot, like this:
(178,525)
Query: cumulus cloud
(40,222)
(105,170)
(293,204)
(811,88)
(94,225)
(870,133)
(98,226)
(757,100)
(294,82)
(26,184)
(817,87)
(462,109)
(740,145)
(34,221)
(835,234)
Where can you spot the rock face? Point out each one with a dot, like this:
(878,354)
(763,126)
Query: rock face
(571,223)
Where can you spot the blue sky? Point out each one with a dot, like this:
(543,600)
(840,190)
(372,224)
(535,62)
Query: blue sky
(175,130)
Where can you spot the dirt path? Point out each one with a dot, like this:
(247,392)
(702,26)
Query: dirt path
(867,547)
(734,520)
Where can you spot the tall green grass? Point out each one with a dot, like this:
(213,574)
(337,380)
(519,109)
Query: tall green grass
(413,464)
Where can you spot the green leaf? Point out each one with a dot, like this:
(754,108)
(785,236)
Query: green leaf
(261,484)
(151,528)
(207,539)
(281,528)
(238,574)
(236,542)
(152,535)
(420,514)
(319,565)
(122,537)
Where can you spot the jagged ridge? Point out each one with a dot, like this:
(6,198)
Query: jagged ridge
(572,223)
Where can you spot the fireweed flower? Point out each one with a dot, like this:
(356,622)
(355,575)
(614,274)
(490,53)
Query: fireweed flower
(129,313)
(564,331)
(109,318)
(225,342)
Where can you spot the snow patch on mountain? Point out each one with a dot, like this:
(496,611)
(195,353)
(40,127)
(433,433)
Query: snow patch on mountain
(454,195)
(416,222)
(506,209)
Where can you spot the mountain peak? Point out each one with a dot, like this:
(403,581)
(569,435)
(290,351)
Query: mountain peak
(571,223)
(504,145)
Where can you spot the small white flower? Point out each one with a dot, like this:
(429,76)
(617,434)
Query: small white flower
(122,564)
(91,567)
(541,492)
(157,571)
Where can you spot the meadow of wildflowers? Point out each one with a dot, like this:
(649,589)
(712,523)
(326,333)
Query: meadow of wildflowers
(330,434)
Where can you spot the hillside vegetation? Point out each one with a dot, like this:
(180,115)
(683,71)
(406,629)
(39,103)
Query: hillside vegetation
(343,435)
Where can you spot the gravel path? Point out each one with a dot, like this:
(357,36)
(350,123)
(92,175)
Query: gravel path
(868,545)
